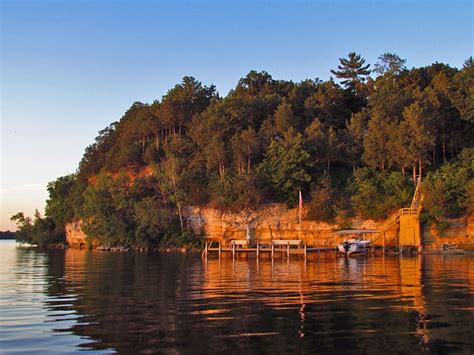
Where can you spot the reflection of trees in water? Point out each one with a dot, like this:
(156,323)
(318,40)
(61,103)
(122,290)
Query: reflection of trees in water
(138,302)
(28,259)
(131,300)
(446,322)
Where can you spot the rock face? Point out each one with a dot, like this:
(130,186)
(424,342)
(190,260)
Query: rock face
(459,231)
(274,221)
(75,237)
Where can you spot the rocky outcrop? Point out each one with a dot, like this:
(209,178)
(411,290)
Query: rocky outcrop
(274,221)
(458,232)
(131,173)
(75,237)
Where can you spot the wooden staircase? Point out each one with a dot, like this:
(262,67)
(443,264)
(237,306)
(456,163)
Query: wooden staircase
(401,221)
(417,200)
(391,223)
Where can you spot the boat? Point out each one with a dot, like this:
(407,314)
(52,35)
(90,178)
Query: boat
(354,246)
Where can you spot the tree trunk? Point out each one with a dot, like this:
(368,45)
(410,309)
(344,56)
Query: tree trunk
(420,165)
(180,216)
(414,174)
(444,149)
(221,171)
(178,204)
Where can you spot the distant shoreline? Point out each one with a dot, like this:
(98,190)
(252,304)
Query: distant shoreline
(7,235)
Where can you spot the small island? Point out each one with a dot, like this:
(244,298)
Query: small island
(237,177)
(172,172)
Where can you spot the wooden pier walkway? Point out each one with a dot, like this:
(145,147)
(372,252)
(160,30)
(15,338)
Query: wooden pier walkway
(281,247)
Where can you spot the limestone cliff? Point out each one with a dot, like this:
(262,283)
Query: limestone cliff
(276,221)
(75,237)
(459,231)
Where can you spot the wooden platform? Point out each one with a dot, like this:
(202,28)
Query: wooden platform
(281,247)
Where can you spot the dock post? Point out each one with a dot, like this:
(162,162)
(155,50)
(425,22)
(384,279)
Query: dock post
(258,249)
(288,250)
(220,250)
(305,252)
(273,249)
(233,250)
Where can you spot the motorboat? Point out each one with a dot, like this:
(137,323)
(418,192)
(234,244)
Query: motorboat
(354,246)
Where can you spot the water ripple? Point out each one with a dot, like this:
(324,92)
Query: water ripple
(69,301)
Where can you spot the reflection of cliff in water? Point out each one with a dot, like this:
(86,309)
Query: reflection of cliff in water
(129,301)
(166,302)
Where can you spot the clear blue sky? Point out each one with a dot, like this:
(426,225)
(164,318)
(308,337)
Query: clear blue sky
(69,68)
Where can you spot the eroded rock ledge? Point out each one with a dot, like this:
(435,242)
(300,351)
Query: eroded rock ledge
(276,221)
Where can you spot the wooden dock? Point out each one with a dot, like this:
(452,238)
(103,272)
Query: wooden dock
(275,247)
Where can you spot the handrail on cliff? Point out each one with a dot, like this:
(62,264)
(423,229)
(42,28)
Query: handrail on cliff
(417,196)
(391,220)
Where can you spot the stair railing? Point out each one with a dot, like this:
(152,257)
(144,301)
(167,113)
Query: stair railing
(417,197)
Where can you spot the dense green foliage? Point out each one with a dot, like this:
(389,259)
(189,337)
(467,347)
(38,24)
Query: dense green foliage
(350,148)
(39,231)
(449,190)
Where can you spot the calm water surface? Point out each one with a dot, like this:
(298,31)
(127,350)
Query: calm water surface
(73,300)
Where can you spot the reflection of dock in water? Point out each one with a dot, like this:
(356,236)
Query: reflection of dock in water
(324,289)
(242,303)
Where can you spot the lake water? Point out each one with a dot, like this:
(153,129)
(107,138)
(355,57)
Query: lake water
(69,301)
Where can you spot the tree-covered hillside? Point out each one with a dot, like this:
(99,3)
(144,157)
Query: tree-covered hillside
(351,144)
